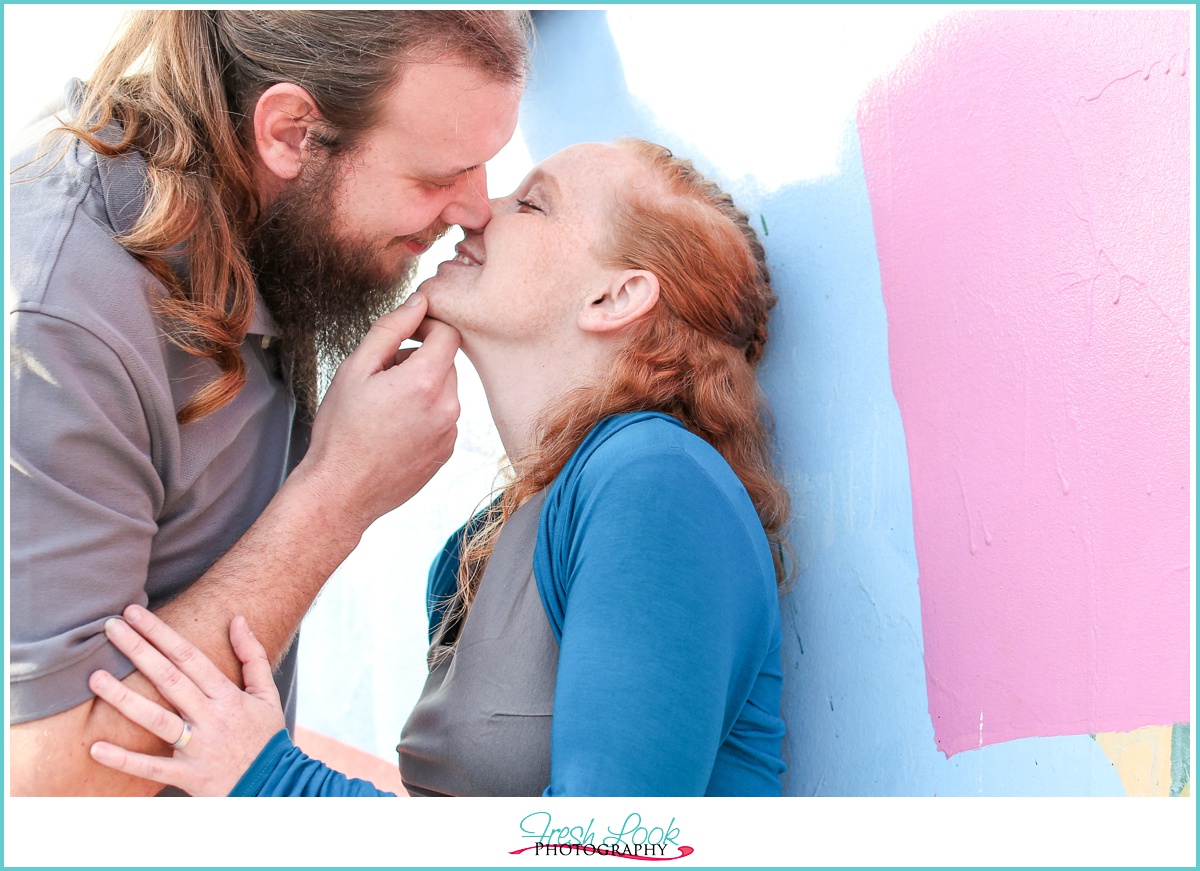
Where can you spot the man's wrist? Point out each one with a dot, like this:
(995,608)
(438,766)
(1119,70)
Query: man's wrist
(336,513)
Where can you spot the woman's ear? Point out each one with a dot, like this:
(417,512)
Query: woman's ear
(629,296)
(284,118)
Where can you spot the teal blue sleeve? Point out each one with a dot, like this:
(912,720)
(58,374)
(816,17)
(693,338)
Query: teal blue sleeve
(670,615)
(281,769)
(443,573)
(442,581)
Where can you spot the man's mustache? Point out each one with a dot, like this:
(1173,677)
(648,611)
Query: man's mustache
(429,235)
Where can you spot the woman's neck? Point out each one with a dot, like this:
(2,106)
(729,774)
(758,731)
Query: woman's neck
(522,383)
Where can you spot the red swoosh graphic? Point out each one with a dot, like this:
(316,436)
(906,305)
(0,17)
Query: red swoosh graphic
(604,851)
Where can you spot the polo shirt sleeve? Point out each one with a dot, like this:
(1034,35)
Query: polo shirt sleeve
(84,496)
(666,624)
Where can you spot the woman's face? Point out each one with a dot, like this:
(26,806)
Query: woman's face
(526,276)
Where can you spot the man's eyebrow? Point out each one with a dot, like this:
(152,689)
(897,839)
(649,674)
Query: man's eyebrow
(453,173)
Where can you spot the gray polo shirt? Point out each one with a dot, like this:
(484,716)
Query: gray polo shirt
(111,500)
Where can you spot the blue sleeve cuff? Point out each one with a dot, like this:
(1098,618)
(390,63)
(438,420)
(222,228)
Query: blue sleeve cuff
(260,769)
(282,769)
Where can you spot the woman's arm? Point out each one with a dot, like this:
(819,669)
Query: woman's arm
(670,598)
(236,741)
(282,769)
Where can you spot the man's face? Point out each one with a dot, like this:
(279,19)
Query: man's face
(421,169)
(339,243)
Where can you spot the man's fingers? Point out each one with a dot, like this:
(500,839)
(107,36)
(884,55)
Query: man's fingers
(156,768)
(437,336)
(436,355)
(155,719)
(210,679)
(403,354)
(430,325)
(377,350)
(429,378)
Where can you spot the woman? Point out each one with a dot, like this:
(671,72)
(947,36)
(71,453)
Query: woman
(610,624)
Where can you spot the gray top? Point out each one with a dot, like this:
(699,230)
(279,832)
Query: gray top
(482,724)
(111,500)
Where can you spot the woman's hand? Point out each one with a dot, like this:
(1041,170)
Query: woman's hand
(219,729)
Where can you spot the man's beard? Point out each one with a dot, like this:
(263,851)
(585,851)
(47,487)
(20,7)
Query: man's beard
(323,291)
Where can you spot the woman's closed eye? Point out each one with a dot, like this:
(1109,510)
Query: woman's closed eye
(527,204)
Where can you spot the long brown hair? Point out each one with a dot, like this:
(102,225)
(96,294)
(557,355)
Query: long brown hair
(692,357)
(183,85)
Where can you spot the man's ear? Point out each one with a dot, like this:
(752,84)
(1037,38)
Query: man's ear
(284,119)
(631,294)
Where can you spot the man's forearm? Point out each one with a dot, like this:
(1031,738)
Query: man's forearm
(271,577)
(386,424)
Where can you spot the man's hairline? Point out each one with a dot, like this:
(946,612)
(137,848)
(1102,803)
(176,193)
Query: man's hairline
(447,58)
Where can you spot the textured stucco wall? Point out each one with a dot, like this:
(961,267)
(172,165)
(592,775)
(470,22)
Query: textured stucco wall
(858,624)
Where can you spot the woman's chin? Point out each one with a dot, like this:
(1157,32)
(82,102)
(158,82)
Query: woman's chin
(434,309)
(428,284)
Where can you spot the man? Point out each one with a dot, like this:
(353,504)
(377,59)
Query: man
(238,195)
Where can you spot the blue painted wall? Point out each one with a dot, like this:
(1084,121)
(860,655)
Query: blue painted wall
(855,697)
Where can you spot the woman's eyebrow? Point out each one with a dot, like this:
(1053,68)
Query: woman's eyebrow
(549,184)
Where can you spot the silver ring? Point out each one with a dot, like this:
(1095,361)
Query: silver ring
(184,737)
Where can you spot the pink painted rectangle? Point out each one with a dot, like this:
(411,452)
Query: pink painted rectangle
(1029,176)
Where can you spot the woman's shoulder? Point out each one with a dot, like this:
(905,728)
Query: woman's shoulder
(649,462)
(647,443)
(643,497)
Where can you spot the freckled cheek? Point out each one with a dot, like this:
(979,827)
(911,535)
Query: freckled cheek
(559,292)
(541,277)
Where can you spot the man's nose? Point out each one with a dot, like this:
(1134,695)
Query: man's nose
(470,207)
